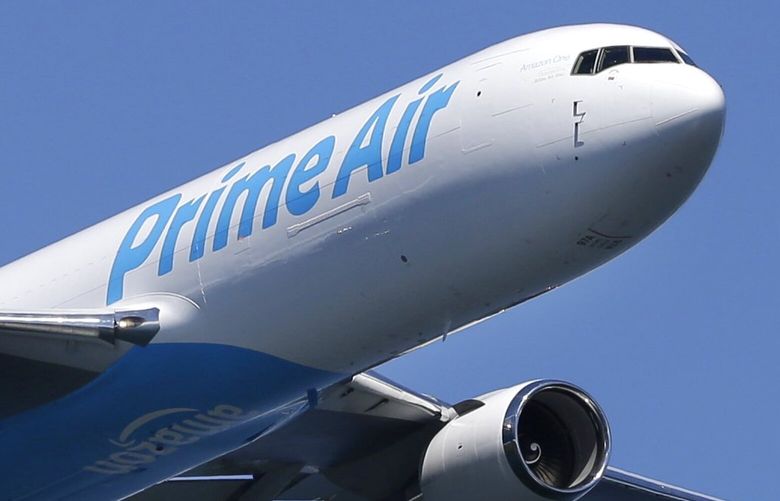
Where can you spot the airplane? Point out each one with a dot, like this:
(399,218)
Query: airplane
(218,341)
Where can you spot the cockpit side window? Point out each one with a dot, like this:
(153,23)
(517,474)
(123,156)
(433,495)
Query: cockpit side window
(586,62)
(654,55)
(612,56)
(686,58)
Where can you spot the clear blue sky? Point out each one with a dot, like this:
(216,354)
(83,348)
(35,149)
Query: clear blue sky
(103,105)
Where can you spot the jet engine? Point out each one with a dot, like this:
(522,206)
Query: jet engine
(539,440)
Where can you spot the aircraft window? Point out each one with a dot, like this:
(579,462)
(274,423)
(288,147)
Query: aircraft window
(585,63)
(654,55)
(612,56)
(685,57)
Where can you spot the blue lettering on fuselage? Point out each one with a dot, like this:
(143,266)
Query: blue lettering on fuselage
(282,184)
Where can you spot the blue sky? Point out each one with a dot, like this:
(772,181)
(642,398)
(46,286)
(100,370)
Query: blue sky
(105,104)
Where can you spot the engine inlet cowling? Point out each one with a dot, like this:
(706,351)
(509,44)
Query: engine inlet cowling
(556,438)
(537,441)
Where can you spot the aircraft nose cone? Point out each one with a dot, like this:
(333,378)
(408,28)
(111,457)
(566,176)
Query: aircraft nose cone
(689,118)
(710,101)
(696,99)
(695,102)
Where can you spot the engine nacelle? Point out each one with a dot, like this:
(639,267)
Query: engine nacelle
(539,440)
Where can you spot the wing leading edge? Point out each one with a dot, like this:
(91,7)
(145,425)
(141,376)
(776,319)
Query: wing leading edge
(619,485)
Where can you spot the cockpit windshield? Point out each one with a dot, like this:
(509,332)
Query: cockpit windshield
(654,55)
(594,61)
(612,56)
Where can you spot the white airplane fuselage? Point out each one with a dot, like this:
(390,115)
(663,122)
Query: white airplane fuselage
(460,194)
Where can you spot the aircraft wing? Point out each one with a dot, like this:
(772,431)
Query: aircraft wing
(362,442)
